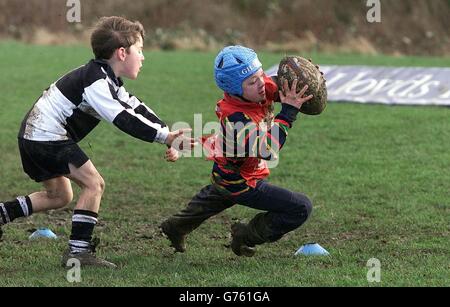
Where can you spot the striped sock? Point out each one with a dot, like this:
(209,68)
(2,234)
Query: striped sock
(19,207)
(83,223)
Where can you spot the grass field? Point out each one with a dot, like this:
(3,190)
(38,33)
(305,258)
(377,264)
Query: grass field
(378,177)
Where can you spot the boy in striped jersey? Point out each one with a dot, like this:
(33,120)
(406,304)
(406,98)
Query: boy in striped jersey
(250,135)
(65,113)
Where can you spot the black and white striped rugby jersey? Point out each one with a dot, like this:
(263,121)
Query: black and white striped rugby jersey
(72,106)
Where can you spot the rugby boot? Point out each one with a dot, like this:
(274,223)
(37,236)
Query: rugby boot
(239,245)
(177,240)
(87,258)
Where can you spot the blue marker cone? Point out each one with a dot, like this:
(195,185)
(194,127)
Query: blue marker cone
(43,233)
(310,249)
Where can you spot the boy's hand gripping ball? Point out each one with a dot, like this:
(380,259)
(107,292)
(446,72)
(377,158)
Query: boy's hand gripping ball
(306,72)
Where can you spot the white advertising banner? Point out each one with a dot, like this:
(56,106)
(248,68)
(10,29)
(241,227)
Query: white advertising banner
(389,85)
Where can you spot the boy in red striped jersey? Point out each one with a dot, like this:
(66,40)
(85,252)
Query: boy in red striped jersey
(250,135)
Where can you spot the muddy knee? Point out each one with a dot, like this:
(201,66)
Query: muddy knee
(60,197)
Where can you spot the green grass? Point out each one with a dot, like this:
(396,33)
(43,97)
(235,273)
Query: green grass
(378,177)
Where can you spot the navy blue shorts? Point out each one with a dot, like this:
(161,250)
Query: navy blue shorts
(46,160)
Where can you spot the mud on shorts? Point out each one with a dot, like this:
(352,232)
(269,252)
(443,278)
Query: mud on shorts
(47,160)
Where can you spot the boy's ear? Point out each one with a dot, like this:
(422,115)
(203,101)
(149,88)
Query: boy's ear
(121,53)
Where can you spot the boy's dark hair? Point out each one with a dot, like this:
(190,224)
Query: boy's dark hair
(111,33)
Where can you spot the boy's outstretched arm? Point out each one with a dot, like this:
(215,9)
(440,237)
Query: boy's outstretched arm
(176,139)
(132,117)
(102,97)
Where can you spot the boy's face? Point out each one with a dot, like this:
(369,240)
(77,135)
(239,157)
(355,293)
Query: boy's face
(133,60)
(254,87)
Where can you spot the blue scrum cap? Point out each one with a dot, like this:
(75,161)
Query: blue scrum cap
(232,66)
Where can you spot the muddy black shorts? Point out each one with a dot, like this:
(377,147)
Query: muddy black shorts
(47,160)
